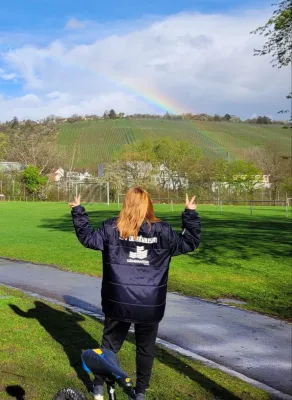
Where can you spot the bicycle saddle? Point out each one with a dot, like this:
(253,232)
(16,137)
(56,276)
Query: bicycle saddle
(105,362)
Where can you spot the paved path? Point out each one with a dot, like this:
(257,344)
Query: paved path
(250,343)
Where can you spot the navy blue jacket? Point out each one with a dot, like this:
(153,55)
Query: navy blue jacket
(135,271)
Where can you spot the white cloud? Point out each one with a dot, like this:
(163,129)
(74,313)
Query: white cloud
(74,23)
(64,104)
(7,76)
(202,63)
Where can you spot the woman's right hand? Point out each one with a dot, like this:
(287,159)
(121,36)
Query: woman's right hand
(191,204)
(76,202)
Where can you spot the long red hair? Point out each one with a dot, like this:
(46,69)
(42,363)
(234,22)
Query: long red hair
(137,208)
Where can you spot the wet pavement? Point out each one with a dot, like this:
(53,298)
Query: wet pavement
(250,343)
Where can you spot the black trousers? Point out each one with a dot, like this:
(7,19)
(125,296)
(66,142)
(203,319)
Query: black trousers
(114,335)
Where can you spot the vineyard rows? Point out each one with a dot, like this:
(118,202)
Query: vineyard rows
(86,144)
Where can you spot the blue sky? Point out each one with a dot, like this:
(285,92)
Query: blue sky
(83,56)
(32,15)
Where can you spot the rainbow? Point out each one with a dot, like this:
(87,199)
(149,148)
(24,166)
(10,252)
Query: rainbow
(148,94)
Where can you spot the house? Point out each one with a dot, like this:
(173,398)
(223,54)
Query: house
(260,182)
(57,175)
(170,179)
(9,166)
(60,174)
(264,183)
(78,176)
(159,175)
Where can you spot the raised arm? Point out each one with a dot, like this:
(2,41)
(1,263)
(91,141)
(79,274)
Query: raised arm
(85,233)
(189,239)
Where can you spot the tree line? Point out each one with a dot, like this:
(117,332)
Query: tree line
(167,164)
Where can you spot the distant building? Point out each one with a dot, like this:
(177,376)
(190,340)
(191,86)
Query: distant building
(9,166)
(59,174)
(261,182)
(160,176)
(77,176)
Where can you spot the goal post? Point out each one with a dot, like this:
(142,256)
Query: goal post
(121,197)
(288,206)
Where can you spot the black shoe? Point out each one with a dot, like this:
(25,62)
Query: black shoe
(138,396)
(97,392)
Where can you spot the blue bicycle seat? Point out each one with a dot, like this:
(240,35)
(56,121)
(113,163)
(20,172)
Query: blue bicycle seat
(105,362)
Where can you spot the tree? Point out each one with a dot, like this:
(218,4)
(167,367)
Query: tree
(178,158)
(227,117)
(243,176)
(169,160)
(286,185)
(34,144)
(263,120)
(74,118)
(3,145)
(106,114)
(272,163)
(134,161)
(112,114)
(277,32)
(32,179)
(238,176)
(14,123)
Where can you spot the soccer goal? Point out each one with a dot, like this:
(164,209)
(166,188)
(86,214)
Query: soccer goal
(90,192)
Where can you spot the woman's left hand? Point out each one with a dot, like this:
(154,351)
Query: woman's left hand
(191,204)
(76,202)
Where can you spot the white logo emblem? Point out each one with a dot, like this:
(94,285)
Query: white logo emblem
(140,253)
(138,256)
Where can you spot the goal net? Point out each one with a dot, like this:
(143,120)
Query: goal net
(90,192)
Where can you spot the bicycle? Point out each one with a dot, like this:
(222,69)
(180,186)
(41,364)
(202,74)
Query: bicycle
(101,362)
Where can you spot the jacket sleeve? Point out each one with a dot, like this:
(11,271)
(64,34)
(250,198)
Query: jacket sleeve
(86,234)
(189,239)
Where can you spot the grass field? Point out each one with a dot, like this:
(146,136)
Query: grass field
(96,141)
(40,352)
(241,256)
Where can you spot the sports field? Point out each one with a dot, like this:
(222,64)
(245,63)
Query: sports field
(241,256)
(92,142)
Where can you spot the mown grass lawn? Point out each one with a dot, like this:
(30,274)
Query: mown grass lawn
(241,256)
(40,350)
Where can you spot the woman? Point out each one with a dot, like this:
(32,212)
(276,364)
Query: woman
(136,249)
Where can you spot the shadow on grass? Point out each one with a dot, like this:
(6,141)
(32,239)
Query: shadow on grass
(16,391)
(243,237)
(165,357)
(64,328)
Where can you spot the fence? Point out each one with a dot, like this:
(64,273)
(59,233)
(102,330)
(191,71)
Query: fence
(11,189)
(281,205)
(57,192)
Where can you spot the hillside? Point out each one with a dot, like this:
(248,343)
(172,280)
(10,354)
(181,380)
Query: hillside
(88,143)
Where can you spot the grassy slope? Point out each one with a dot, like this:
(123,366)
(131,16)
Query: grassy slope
(40,353)
(240,256)
(97,140)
